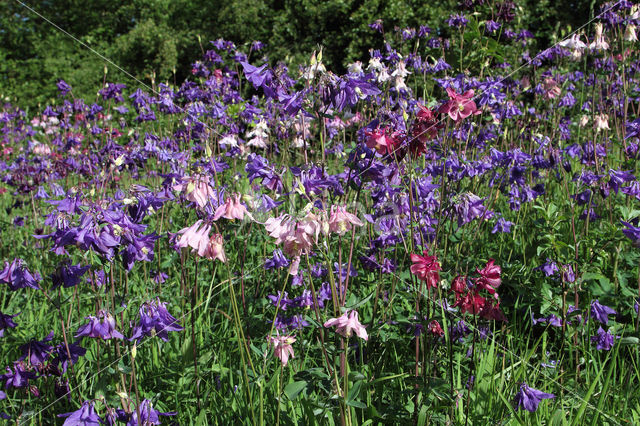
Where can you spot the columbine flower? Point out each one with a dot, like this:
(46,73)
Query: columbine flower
(148,415)
(630,33)
(231,209)
(195,237)
(196,189)
(6,321)
(459,106)
(215,249)
(347,324)
(18,276)
(529,398)
(575,44)
(435,328)
(85,415)
(551,88)
(601,122)
(282,347)
(155,317)
(426,268)
(341,221)
(18,377)
(599,43)
(601,312)
(103,326)
(37,351)
(603,340)
(489,277)
(382,140)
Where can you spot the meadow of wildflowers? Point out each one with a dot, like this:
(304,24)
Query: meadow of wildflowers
(446,234)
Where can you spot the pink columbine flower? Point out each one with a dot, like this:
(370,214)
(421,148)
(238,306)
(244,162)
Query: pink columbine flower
(551,88)
(348,324)
(196,189)
(459,106)
(215,249)
(341,221)
(232,209)
(195,237)
(282,347)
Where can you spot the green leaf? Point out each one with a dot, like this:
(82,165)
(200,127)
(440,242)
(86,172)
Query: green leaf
(292,390)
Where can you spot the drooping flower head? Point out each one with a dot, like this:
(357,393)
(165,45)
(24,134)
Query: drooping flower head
(282,347)
(232,209)
(101,327)
(341,221)
(489,277)
(384,141)
(16,275)
(603,340)
(195,237)
(85,415)
(529,398)
(148,415)
(196,189)
(348,324)
(601,312)
(155,319)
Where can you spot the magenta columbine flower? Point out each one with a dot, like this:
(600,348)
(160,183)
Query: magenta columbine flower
(103,326)
(348,324)
(529,398)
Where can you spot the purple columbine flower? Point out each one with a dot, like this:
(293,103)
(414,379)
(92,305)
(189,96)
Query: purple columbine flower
(85,415)
(63,87)
(18,377)
(603,340)
(103,326)
(16,275)
(61,356)
(601,312)
(633,233)
(155,317)
(502,225)
(148,415)
(549,268)
(37,351)
(277,261)
(68,275)
(529,398)
(6,321)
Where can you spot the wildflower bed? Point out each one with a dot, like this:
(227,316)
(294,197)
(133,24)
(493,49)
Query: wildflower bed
(403,243)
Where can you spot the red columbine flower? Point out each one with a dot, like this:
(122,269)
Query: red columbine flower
(426,268)
(472,302)
(459,106)
(459,285)
(424,129)
(489,277)
(435,328)
(382,140)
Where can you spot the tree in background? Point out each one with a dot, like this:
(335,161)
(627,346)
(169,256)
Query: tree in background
(162,38)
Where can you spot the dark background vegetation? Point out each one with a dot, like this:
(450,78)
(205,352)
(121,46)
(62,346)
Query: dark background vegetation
(162,36)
